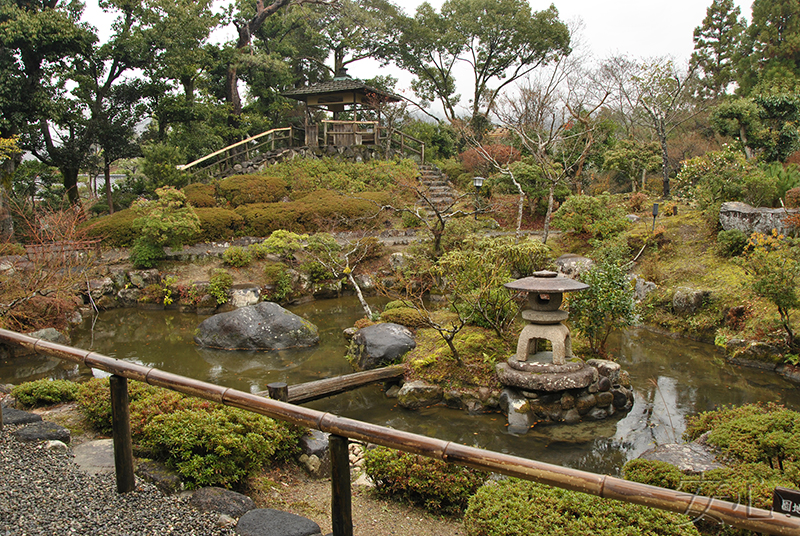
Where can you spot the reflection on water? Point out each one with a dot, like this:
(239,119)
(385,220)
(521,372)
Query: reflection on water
(672,378)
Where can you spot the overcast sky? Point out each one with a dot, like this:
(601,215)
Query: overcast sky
(637,28)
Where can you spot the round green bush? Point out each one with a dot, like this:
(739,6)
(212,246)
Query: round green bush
(45,392)
(200,195)
(218,447)
(653,472)
(218,224)
(116,230)
(237,256)
(521,508)
(248,189)
(406,316)
(438,486)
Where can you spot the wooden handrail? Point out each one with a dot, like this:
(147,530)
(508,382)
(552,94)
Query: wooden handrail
(609,487)
(184,167)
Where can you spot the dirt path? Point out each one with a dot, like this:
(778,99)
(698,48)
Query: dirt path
(289,489)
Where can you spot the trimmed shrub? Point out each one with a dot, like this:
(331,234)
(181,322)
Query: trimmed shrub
(116,230)
(45,392)
(433,484)
(207,443)
(248,189)
(406,316)
(237,256)
(653,472)
(218,224)
(218,447)
(793,198)
(200,195)
(261,219)
(520,508)
(283,243)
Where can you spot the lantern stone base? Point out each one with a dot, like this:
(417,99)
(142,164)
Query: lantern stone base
(569,393)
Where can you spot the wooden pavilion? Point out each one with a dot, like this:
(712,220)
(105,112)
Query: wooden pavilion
(337,95)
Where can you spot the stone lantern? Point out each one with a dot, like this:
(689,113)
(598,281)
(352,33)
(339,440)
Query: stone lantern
(544,315)
(555,386)
(546,370)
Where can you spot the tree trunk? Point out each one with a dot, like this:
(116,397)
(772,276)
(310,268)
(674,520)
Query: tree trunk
(361,299)
(246,31)
(549,213)
(70,176)
(748,152)
(107,173)
(644,179)
(662,137)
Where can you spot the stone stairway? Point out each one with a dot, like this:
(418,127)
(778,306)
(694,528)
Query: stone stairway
(435,186)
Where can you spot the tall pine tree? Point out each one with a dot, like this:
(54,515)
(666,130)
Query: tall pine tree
(716,44)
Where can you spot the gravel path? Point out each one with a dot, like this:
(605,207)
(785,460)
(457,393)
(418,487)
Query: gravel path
(42,492)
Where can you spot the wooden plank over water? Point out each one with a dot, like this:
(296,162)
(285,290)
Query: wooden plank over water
(306,392)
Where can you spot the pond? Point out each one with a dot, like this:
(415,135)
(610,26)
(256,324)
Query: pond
(672,378)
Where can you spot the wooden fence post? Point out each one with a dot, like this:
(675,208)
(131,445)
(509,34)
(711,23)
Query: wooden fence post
(341,499)
(121,433)
(278,391)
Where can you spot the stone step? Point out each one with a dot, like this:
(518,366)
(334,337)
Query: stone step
(269,522)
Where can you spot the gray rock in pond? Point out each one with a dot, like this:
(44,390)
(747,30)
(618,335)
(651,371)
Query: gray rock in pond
(222,501)
(418,394)
(50,334)
(42,431)
(264,326)
(269,522)
(690,458)
(380,344)
(516,407)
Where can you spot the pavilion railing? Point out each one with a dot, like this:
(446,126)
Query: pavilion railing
(343,429)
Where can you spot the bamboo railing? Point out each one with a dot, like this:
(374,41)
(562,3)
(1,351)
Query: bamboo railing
(342,429)
(243,150)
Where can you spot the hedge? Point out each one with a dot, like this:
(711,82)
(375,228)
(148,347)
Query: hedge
(247,189)
(200,195)
(116,230)
(218,223)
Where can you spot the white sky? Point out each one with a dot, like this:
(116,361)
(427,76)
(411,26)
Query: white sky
(637,28)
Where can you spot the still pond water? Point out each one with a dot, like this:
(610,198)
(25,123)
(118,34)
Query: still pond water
(672,378)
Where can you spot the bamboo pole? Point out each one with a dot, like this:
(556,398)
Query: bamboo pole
(733,514)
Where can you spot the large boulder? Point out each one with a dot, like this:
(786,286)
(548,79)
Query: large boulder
(419,394)
(264,326)
(380,344)
(741,216)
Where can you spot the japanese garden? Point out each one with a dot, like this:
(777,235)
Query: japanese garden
(233,274)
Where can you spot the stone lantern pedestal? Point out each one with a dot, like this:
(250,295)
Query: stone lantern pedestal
(553,385)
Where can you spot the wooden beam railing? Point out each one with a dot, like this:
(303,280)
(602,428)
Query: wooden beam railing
(343,429)
(244,150)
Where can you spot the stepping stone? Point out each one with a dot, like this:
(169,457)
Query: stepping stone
(269,522)
(95,457)
(222,501)
(15,416)
(43,431)
(159,474)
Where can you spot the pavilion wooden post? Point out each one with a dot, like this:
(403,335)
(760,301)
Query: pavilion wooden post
(121,433)
(341,498)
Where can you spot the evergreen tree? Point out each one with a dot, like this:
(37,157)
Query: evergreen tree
(771,56)
(716,44)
